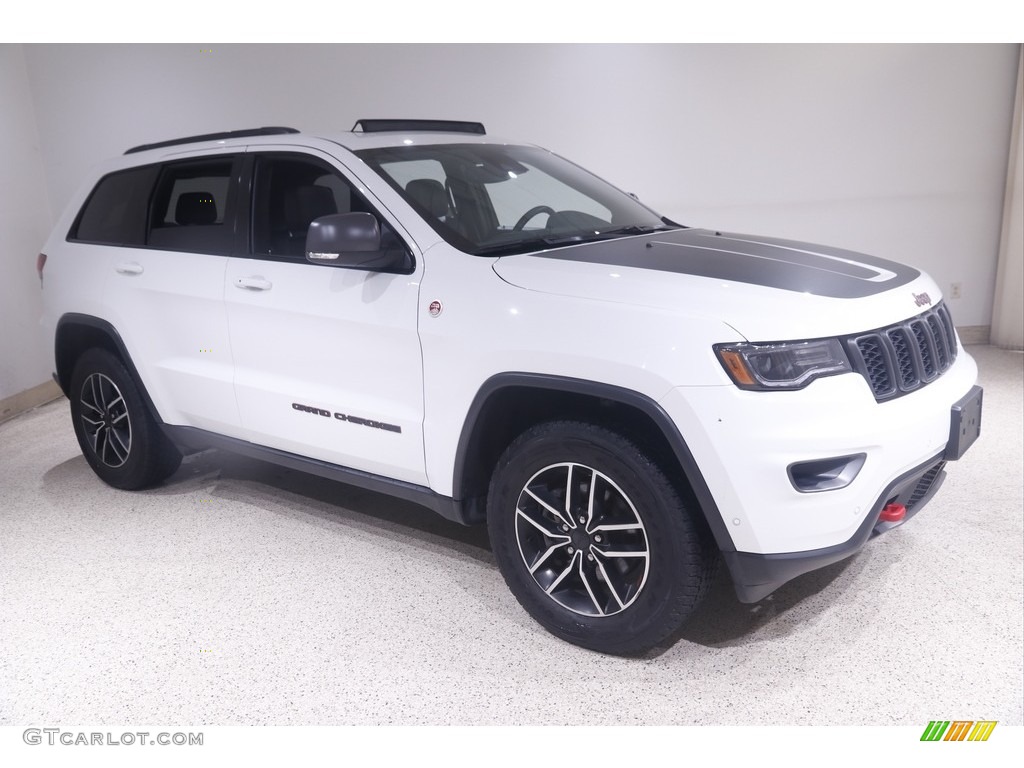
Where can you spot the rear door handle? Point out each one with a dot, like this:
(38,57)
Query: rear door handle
(253,283)
(129,268)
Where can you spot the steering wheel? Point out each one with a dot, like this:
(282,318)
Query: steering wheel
(535,211)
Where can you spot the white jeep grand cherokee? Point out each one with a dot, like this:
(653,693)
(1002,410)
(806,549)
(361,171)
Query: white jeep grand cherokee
(489,330)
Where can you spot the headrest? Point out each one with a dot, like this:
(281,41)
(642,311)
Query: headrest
(429,194)
(304,204)
(195,208)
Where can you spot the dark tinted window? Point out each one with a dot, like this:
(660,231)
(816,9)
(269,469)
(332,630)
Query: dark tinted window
(289,194)
(192,207)
(291,191)
(115,212)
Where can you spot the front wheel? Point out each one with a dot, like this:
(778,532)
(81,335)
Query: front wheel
(593,538)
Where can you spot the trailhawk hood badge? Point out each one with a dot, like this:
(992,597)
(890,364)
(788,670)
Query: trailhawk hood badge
(922,299)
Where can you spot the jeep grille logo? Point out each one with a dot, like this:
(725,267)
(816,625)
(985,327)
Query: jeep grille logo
(921,299)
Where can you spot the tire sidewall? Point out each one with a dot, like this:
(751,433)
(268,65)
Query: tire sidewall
(656,610)
(135,468)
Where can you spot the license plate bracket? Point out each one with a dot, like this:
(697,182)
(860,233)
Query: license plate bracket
(965,424)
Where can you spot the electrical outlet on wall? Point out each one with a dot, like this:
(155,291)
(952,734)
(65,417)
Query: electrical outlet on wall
(954,290)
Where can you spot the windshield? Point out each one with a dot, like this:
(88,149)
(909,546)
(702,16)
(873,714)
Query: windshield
(500,199)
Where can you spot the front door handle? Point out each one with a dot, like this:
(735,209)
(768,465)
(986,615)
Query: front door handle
(129,268)
(254,283)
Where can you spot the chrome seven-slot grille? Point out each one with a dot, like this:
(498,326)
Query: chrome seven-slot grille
(905,356)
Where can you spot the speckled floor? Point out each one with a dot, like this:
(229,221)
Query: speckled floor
(240,593)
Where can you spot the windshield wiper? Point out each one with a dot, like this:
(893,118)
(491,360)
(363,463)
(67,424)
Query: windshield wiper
(539,243)
(636,229)
(604,234)
(508,249)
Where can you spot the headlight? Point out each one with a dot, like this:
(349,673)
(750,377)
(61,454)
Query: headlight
(785,365)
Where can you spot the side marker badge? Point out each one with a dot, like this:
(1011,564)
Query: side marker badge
(435,308)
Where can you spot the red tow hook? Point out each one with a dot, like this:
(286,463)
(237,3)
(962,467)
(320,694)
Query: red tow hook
(893,513)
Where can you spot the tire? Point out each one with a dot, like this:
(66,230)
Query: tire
(625,568)
(118,436)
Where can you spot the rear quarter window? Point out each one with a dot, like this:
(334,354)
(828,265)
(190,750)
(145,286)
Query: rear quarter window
(115,211)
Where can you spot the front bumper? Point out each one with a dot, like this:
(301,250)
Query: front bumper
(745,444)
(757,576)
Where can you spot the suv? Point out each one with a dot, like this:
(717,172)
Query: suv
(493,332)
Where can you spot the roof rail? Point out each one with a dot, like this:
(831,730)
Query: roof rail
(444,126)
(266,131)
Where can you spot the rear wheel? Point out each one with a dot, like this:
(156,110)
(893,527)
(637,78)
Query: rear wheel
(593,538)
(115,430)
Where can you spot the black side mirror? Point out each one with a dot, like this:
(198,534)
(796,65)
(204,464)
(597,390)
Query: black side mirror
(339,237)
(352,240)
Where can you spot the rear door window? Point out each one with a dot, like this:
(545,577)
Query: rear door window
(193,207)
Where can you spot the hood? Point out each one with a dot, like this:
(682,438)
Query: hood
(765,288)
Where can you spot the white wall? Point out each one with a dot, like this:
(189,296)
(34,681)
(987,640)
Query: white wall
(24,223)
(1008,308)
(898,150)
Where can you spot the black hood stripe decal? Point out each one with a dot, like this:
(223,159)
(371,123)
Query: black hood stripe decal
(851,271)
(770,262)
(854,267)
